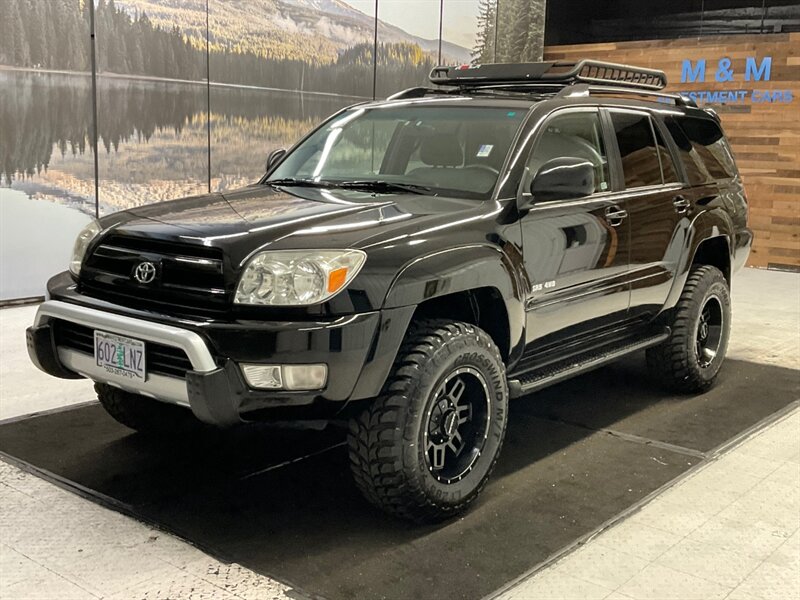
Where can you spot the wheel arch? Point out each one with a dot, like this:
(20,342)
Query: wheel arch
(709,242)
(483,307)
(716,252)
(475,283)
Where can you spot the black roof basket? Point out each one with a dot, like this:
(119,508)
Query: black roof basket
(556,73)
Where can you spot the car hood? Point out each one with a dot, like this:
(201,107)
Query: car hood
(259,216)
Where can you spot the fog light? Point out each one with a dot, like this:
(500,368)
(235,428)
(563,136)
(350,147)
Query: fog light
(289,377)
(263,376)
(305,377)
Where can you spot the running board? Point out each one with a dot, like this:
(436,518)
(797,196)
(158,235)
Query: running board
(535,380)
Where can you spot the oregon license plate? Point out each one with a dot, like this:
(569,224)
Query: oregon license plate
(119,355)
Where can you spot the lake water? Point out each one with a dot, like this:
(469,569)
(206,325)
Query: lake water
(153,145)
(36,239)
(153,142)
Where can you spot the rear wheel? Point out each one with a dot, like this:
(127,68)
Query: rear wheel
(690,360)
(425,448)
(143,414)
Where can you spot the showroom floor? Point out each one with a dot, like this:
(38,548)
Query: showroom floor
(726,530)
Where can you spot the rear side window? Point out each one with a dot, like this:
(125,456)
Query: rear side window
(703,150)
(709,142)
(692,163)
(637,148)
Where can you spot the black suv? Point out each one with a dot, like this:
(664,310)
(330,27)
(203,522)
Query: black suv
(412,264)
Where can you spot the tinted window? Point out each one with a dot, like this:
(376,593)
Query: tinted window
(668,169)
(708,141)
(637,149)
(703,150)
(576,135)
(692,163)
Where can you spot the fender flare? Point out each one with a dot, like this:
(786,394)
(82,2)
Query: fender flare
(462,269)
(707,225)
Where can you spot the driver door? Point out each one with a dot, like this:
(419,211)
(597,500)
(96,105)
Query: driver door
(576,250)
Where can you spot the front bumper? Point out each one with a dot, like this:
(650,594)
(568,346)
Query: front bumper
(358,350)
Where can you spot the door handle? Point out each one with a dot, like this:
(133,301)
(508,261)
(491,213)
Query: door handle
(681,204)
(615,215)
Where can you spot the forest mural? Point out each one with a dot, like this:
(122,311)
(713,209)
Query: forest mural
(129,42)
(275,69)
(509,31)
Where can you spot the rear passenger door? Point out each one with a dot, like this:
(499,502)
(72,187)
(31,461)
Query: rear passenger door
(656,202)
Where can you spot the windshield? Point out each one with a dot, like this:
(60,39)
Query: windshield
(437,150)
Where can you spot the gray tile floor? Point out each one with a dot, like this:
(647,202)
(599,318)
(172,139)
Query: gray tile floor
(24,389)
(54,544)
(730,530)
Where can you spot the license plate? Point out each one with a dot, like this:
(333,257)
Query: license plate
(119,355)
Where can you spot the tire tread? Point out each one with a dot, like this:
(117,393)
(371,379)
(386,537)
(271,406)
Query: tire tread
(376,436)
(670,363)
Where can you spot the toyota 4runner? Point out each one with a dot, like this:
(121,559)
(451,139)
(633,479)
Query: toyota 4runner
(411,265)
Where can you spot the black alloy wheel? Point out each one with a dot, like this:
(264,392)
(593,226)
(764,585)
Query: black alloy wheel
(457,425)
(710,327)
(691,358)
(424,449)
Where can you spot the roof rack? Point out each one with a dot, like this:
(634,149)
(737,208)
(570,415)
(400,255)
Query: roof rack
(553,72)
(583,90)
(420,92)
(414,92)
(577,90)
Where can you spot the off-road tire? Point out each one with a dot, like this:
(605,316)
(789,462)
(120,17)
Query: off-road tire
(675,363)
(385,442)
(143,414)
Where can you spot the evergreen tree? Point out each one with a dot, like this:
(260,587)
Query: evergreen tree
(517,25)
(37,33)
(136,57)
(534,44)
(21,49)
(10,25)
(53,57)
(58,44)
(484,50)
(509,32)
(55,35)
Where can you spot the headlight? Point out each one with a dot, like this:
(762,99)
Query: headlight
(85,238)
(297,278)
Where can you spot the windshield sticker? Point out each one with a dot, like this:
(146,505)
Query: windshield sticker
(484,150)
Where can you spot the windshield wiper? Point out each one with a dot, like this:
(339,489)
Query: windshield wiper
(383,186)
(289,181)
(375,186)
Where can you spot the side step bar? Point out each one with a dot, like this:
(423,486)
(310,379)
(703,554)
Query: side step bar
(537,379)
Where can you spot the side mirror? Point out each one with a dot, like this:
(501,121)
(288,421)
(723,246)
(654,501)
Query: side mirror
(274,158)
(563,179)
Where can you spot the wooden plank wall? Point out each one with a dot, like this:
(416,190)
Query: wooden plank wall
(765,136)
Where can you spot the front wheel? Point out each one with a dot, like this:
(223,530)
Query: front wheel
(690,359)
(425,448)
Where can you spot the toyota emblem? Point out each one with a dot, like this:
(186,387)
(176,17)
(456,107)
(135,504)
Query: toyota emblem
(145,272)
